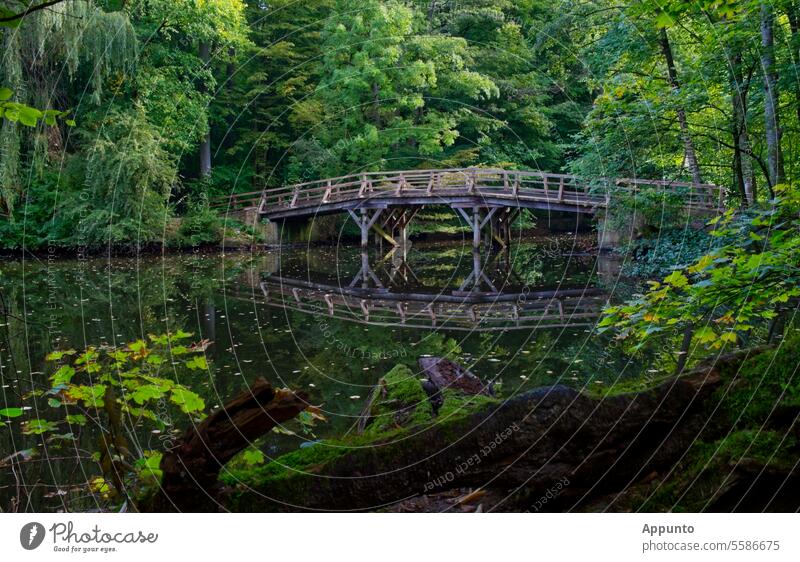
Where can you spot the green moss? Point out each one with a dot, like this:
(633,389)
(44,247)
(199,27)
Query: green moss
(400,407)
(626,386)
(457,404)
(402,402)
(703,473)
(764,382)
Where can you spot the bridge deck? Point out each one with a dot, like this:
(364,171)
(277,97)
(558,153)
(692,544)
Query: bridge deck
(467,187)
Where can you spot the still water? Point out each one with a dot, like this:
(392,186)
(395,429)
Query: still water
(328,320)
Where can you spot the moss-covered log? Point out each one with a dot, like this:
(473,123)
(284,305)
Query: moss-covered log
(191,469)
(524,445)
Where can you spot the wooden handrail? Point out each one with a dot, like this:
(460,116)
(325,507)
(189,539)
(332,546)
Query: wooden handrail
(550,187)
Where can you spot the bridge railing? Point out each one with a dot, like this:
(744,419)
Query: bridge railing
(439,311)
(485,182)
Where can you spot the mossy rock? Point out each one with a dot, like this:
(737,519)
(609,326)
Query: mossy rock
(710,471)
(765,384)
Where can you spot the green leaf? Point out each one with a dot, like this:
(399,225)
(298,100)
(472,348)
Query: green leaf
(197,362)
(677,279)
(38,426)
(63,376)
(29,116)
(664,19)
(57,355)
(76,419)
(706,335)
(187,400)
(5,94)
(253,456)
(147,392)
(10,412)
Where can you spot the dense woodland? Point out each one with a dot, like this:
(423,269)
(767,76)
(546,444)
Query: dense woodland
(121,115)
(123,120)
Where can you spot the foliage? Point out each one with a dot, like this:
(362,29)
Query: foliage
(17,112)
(287,91)
(727,293)
(200,225)
(670,248)
(128,176)
(114,389)
(656,207)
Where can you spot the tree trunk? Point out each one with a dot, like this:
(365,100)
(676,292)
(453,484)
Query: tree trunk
(794,26)
(431,13)
(205,144)
(191,469)
(376,105)
(771,118)
(743,175)
(672,74)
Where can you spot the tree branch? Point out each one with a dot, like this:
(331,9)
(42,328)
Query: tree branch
(29,10)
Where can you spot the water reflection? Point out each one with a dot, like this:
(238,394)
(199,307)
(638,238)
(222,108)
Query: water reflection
(329,321)
(490,297)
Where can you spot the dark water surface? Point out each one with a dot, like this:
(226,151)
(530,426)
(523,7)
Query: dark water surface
(330,321)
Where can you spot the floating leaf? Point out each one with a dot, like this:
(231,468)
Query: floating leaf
(10,412)
(38,426)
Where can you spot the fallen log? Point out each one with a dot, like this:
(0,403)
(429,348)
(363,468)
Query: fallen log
(524,445)
(191,468)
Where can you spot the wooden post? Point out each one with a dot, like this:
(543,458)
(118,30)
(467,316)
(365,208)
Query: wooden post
(364,268)
(364,229)
(476,269)
(476,227)
(327,195)
(363,187)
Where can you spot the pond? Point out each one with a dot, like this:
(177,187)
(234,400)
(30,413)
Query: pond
(327,320)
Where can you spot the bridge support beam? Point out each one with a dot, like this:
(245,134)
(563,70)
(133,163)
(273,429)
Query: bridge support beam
(390,224)
(365,222)
(495,222)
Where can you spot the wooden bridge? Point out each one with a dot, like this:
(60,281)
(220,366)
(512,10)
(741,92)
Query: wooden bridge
(460,311)
(487,199)
(491,296)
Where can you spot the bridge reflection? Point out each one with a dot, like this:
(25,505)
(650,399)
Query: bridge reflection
(390,294)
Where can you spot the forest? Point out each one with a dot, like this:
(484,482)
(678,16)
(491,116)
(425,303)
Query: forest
(129,127)
(121,116)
